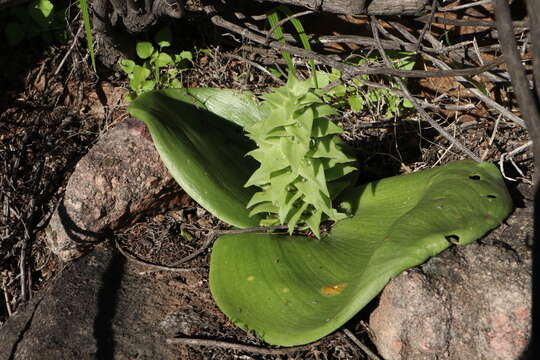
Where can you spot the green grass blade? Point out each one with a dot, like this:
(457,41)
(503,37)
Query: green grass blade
(303,38)
(273,19)
(88,31)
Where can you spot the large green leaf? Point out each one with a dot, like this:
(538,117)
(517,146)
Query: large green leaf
(294,290)
(199,135)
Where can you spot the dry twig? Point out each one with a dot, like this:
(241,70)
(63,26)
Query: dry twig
(210,238)
(239,347)
(420,110)
(73,43)
(346,68)
(427,25)
(509,156)
(465,82)
(254,64)
(358,343)
(283,21)
(528,104)
(152,265)
(464,6)
(469,22)
(6,297)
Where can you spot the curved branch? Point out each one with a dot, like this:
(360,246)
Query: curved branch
(346,68)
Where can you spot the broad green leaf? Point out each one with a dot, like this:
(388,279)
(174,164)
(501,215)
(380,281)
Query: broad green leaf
(163,59)
(338,91)
(293,290)
(148,85)
(407,104)
(138,77)
(356,102)
(188,55)
(45,6)
(197,135)
(144,49)
(39,11)
(127,65)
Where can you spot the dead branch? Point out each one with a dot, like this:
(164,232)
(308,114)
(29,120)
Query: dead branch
(238,347)
(157,267)
(358,7)
(283,21)
(346,68)
(358,343)
(462,80)
(528,103)
(420,110)
(469,22)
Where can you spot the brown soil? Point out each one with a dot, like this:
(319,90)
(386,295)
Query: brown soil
(48,121)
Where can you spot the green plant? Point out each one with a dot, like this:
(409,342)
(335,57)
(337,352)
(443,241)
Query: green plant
(293,289)
(83,5)
(358,97)
(159,69)
(301,158)
(38,19)
(273,18)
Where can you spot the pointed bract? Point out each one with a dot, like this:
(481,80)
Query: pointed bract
(300,152)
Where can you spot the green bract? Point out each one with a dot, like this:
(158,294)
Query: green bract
(300,155)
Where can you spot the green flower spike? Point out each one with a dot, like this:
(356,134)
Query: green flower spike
(301,158)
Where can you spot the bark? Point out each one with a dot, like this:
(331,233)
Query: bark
(115,22)
(350,7)
(358,7)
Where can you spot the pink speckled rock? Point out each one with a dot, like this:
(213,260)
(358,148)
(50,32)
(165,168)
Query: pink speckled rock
(120,179)
(471,302)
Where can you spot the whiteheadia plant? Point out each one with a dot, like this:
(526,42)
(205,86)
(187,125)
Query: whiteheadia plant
(302,162)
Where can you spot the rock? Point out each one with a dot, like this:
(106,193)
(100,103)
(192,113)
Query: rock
(471,302)
(120,179)
(187,321)
(100,308)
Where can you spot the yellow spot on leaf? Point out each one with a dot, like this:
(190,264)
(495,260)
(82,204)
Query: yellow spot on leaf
(250,278)
(285,290)
(333,289)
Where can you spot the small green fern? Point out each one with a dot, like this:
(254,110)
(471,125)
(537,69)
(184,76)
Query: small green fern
(300,154)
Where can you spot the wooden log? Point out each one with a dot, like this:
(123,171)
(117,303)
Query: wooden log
(362,7)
